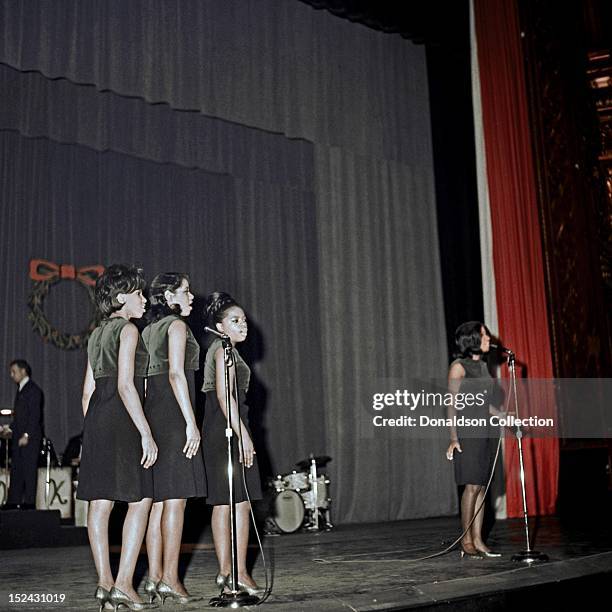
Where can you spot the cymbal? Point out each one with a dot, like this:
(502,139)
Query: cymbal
(320,461)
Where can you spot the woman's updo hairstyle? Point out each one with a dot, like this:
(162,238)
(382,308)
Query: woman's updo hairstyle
(217,304)
(159,307)
(116,279)
(468,339)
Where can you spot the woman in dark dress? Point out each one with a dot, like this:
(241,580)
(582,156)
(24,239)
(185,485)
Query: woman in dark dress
(179,471)
(226,316)
(475,455)
(118,447)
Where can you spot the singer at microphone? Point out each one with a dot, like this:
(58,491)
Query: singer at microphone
(473,457)
(227,321)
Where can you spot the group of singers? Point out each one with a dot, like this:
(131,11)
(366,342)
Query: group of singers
(142,445)
(141,441)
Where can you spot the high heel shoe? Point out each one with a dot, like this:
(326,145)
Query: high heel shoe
(488,553)
(476,555)
(251,590)
(150,588)
(103,596)
(221,581)
(119,598)
(165,590)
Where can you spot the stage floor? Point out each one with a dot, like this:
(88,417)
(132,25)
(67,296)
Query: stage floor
(364,567)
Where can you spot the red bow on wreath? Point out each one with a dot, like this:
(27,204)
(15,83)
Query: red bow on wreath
(43,270)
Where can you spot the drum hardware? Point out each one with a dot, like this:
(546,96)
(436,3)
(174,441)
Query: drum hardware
(321,461)
(297,481)
(299,500)
(48,452)
(277,483)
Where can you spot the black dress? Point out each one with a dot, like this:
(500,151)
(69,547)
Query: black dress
(174,475)
(473,465)
(112,450)
(215,442)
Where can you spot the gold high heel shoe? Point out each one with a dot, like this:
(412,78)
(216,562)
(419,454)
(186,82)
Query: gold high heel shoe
(119,598)
(150,588)
(165,590)
(102,596)
(475,555)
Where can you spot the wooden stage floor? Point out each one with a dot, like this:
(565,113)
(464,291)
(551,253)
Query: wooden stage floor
(363,567)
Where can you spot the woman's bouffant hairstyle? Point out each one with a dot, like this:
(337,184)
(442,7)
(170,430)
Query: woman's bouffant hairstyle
(117,279)
(217,304)
(168,281)
(468,339)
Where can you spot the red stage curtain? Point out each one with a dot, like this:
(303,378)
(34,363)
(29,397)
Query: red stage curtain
(517,248)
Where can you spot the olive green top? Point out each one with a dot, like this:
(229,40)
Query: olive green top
(243,372)
(155,336)
(103,349)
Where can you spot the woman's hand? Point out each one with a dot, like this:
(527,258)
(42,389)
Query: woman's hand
(149,451)
(451,449)
(193,440)
(247,450)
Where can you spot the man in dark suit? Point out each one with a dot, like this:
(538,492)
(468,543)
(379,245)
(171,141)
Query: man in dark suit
(27,429)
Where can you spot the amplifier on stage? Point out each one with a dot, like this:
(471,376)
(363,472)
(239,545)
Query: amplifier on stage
(59,490)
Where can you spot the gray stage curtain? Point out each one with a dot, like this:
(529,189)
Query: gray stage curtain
(274,64)
(306,139)
(380,321)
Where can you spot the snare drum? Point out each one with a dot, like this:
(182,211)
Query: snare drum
(288,511)
(298,481)
(322,500)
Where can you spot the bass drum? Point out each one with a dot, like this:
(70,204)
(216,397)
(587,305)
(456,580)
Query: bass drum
(288,511)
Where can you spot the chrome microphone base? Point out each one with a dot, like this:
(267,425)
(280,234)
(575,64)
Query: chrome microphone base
(233,600)
(530,556)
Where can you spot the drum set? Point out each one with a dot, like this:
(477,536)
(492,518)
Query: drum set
(300,500)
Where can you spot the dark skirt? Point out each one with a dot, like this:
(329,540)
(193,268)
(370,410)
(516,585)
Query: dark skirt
(474,464)
(112,450)
(215,456)
(174,476)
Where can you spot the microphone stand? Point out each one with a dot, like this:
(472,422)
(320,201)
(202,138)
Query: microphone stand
(528,555)
(236,598)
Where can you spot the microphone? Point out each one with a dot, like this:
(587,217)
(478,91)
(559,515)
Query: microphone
(218,334)
(501,349)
